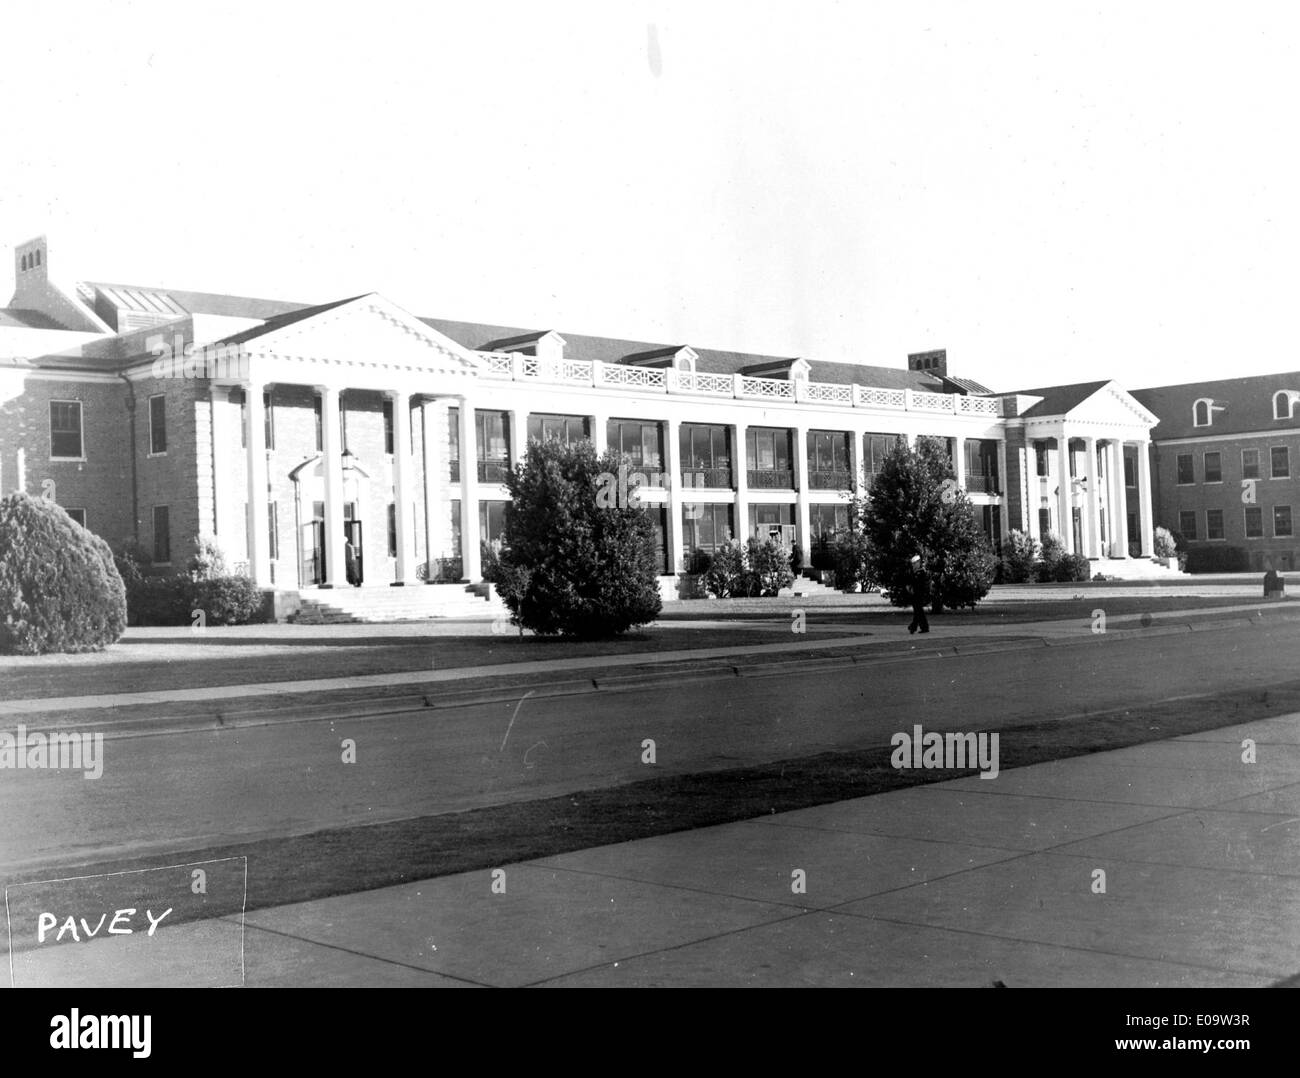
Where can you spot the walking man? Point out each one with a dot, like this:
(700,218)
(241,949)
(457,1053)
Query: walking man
(918,588)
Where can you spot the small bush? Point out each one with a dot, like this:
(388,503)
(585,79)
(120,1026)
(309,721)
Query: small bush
(727,575)
(1073,568)
(173,599)
(852,566)
(769,567)
(1053,550)
(59,588)
(207,562)
(1165,544)
(1019,553)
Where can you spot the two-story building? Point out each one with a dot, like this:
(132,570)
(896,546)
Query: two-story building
(156,415)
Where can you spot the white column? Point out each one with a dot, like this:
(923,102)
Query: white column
(1145,529)
(433,461)
(259,555)
(332,468)
(1090,500)
(518,435)
(1118,502)
(959,457)
(802,516)
(599,432)
(856,477)
(223,512)
(1033,488)
(673,465)
(1066,524)
(403,476)
(1004,509)
(740,472)
(20,471)
(471,560)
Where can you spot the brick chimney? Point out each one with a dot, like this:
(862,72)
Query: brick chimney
(935,363)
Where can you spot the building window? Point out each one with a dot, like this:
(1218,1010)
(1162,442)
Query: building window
(1281,460)
(162,536)
(1187,524)
(1254,522)
(1282,521)
(1250,464)
(705,528)
(1214,524)
(1044,521)
(1130,472)
(79,515)
(157,424)
(828,460)
(560,428)
(706,456)
(388,427)
(875,448)
(268,420)
(392,530)
(273,530)
(639,445)
(65,431)
(770,521)
(1201,415)
(492,522)
(1040,455)
(1186,471)
(318,406)
(769,458)
(1213,468)
(1283,404)
(491,442)
(982,465)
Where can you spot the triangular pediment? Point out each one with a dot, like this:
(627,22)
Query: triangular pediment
(364,331)
(1111,406)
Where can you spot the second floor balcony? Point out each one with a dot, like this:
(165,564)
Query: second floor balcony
(770,479)
(829,479)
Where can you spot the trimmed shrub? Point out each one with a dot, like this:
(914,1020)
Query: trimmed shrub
(591,560)
(852,552)
(1165,544)
(1073,568)
(1214,558)
(769,567)
(59,588)
(1019,553)
(727,574)
(1050,555)
(207,562)
(224,600)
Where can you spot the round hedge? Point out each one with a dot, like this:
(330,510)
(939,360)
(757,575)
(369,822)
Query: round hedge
(59,588)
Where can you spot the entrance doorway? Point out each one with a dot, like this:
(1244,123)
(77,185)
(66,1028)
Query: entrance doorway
(313,547)
(1077,514)
(353,531)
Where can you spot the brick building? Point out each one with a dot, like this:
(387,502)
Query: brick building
(156,415)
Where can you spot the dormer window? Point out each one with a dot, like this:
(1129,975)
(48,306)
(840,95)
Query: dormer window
(38,257)
(24,263)
(1201,413)
(1284,404)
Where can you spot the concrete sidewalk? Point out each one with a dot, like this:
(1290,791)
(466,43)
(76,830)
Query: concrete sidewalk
(814,638)
(959,883)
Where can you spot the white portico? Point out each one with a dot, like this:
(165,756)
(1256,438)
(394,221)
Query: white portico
(1083,467)
(363,346)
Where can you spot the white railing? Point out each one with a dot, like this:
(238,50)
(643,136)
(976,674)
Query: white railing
(721,385)
(868,397)
(828,392)
(767,388)
(978,406)
(615,374)
(932,402)
(592,373)
(575,370)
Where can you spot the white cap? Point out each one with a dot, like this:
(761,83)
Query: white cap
(916,557)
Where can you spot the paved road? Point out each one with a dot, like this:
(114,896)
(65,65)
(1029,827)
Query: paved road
(181,791)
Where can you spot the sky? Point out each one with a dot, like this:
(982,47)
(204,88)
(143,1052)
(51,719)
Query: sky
(1053,193)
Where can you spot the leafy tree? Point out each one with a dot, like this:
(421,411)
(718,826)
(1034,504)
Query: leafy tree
(59,588)
(769,567)
(1019,554)
(727,575)
(583,563)
(916,507)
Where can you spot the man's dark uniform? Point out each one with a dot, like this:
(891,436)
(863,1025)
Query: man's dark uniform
(918,585)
